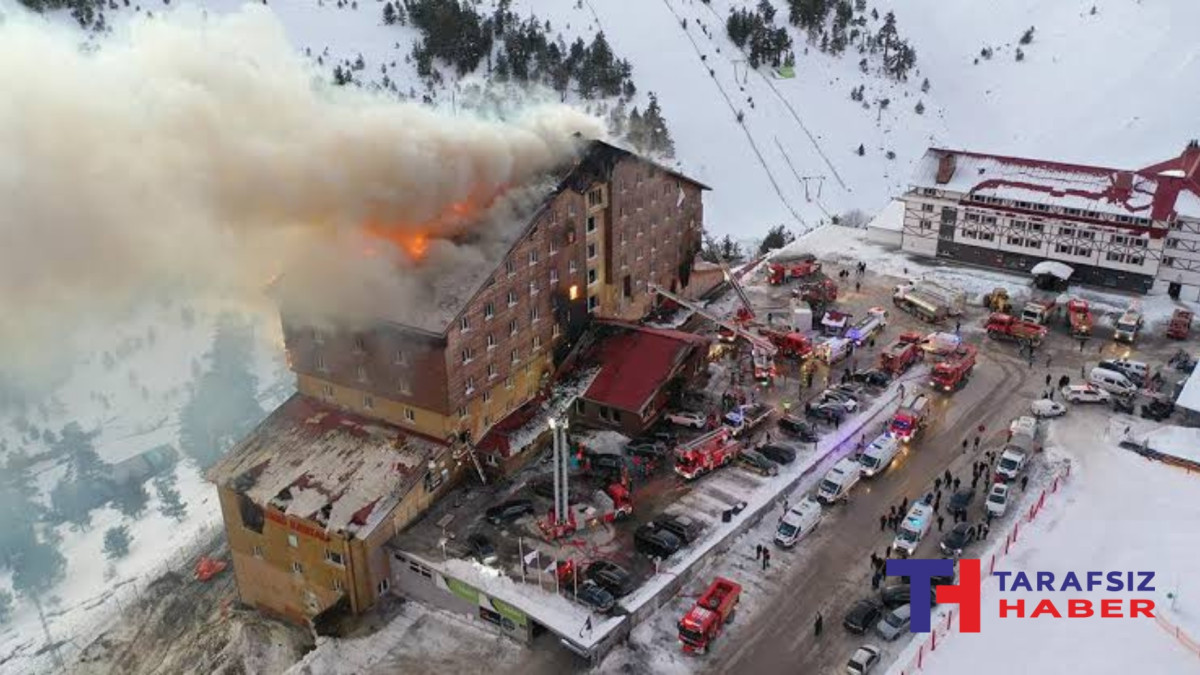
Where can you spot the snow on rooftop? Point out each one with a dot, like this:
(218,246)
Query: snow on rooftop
(1183,442)
(316,462)
(1053,268)
(1189,397)
(891,218)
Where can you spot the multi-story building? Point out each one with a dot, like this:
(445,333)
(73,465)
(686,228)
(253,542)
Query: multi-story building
(1116,228)
(396,402)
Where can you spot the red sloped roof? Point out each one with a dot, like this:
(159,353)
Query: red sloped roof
(635,363)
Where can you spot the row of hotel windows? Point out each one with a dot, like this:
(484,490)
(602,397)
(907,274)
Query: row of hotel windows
(929,208)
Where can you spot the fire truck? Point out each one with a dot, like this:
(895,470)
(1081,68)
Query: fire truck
(785,271)
(1181,325)
(954,372)
(1080,317)
(610,504)
(705,620)
(900,356)
(745,418)
(706,453)
(1005,327)
(790,345)
(1038,311)
(910,418)
(823,292)
(834,323)
(869,326)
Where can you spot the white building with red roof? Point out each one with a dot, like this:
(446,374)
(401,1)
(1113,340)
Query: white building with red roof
(1118,228)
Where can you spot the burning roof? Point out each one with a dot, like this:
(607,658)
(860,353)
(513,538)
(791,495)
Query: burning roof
(314,461)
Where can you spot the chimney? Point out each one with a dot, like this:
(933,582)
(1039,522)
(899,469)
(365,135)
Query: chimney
(1190,161)
(946,164)
(1123,185)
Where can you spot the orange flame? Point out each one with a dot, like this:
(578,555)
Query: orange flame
(414,239)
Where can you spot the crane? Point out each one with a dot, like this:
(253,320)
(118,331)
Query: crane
(746,313)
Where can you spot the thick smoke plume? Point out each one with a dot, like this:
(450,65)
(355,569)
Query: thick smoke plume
(206,149)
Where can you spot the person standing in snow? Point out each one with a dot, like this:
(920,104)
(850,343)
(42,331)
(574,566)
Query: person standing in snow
(939,522)
(817,625)
(1024,482)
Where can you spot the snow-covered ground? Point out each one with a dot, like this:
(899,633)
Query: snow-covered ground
(1117,512)
(130,420)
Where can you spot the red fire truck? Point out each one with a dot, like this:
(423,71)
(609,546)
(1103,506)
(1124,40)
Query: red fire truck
(1181,325)
(790,345)
(910,418)
(705,620)
(784,271)
(899,356)
(706,453)
(1080,317)
(1005,327)
(954,371)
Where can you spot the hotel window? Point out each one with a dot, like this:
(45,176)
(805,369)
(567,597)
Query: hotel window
(360,345)
(491,341)
(464,324)
(320,362)
(592,276)
(595,197)
(487,398)
(337,584)
(404,386)
(972,217)
(318,337)
(533,287)
(1085,252)
(512,298)
(554,276)
(334,557)
(410,414)
(1063,248)
(533,257)
(512,327)
(593,303)
(590,225)
(553,245)
(508,382)
(591,251)
(516,356)
(327,390)
(1087,234)
(401,357)
(489,310)
(1172,242)
(293,540)
(927,208)
(468,355)
(257,552)
(556,331)
(384,585)
(361,371)
(926,225)
(535,313)
(491,371)
(297,567)
(510,268)
(572,266)
(470,386)
(1067,231)
(537,342)
(462,411)
(369,402)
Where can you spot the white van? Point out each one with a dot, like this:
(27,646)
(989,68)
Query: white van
(1024,427)
(1011,462)
(1136,371)
(1128,326)
(797,522)
(914,528)
(1112,381)
(838,482)
(834,349)
(879,455)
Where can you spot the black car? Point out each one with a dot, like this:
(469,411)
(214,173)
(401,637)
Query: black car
(959,501)
(592,595)
(831,413)
(646,450)
(778,453)
(1124,404)
(877,379)
(605,463)
(1157,410)
(757,463)
(611,577)
(862,616)
(509,511)
(899,594)
(482,549)
(687,529)
(801,429)
(954,541)
(655,542)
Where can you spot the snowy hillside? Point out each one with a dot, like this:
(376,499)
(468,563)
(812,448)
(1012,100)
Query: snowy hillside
(1091,87)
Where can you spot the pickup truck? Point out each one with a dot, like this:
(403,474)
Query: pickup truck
(745,418)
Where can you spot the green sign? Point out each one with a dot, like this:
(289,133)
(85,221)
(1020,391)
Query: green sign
(508,611)
(462,590)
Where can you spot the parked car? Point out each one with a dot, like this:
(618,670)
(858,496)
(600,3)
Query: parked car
(779,454)
(593,596)
(688,529)
(954,541)
(481,549)
(997,499)
(899,594)
(876,379)
(1085,393)
(1124,404)
(1044,408)
(758,463)
(863,660)
(605,462)
(611,577)
(647,450)
(508,511)
(800,428)
(827,412)
(862,616)
(1157,409)
(959,501)
(655,542)
(839,397)
(688,418)
(855,390)
(894,623)
(660,436)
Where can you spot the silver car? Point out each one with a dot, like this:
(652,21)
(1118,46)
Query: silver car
(894,623)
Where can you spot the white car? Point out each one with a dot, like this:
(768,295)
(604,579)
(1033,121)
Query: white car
(685,418)
(1047,408)
(1085,393)
(864,659)
(997,500)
